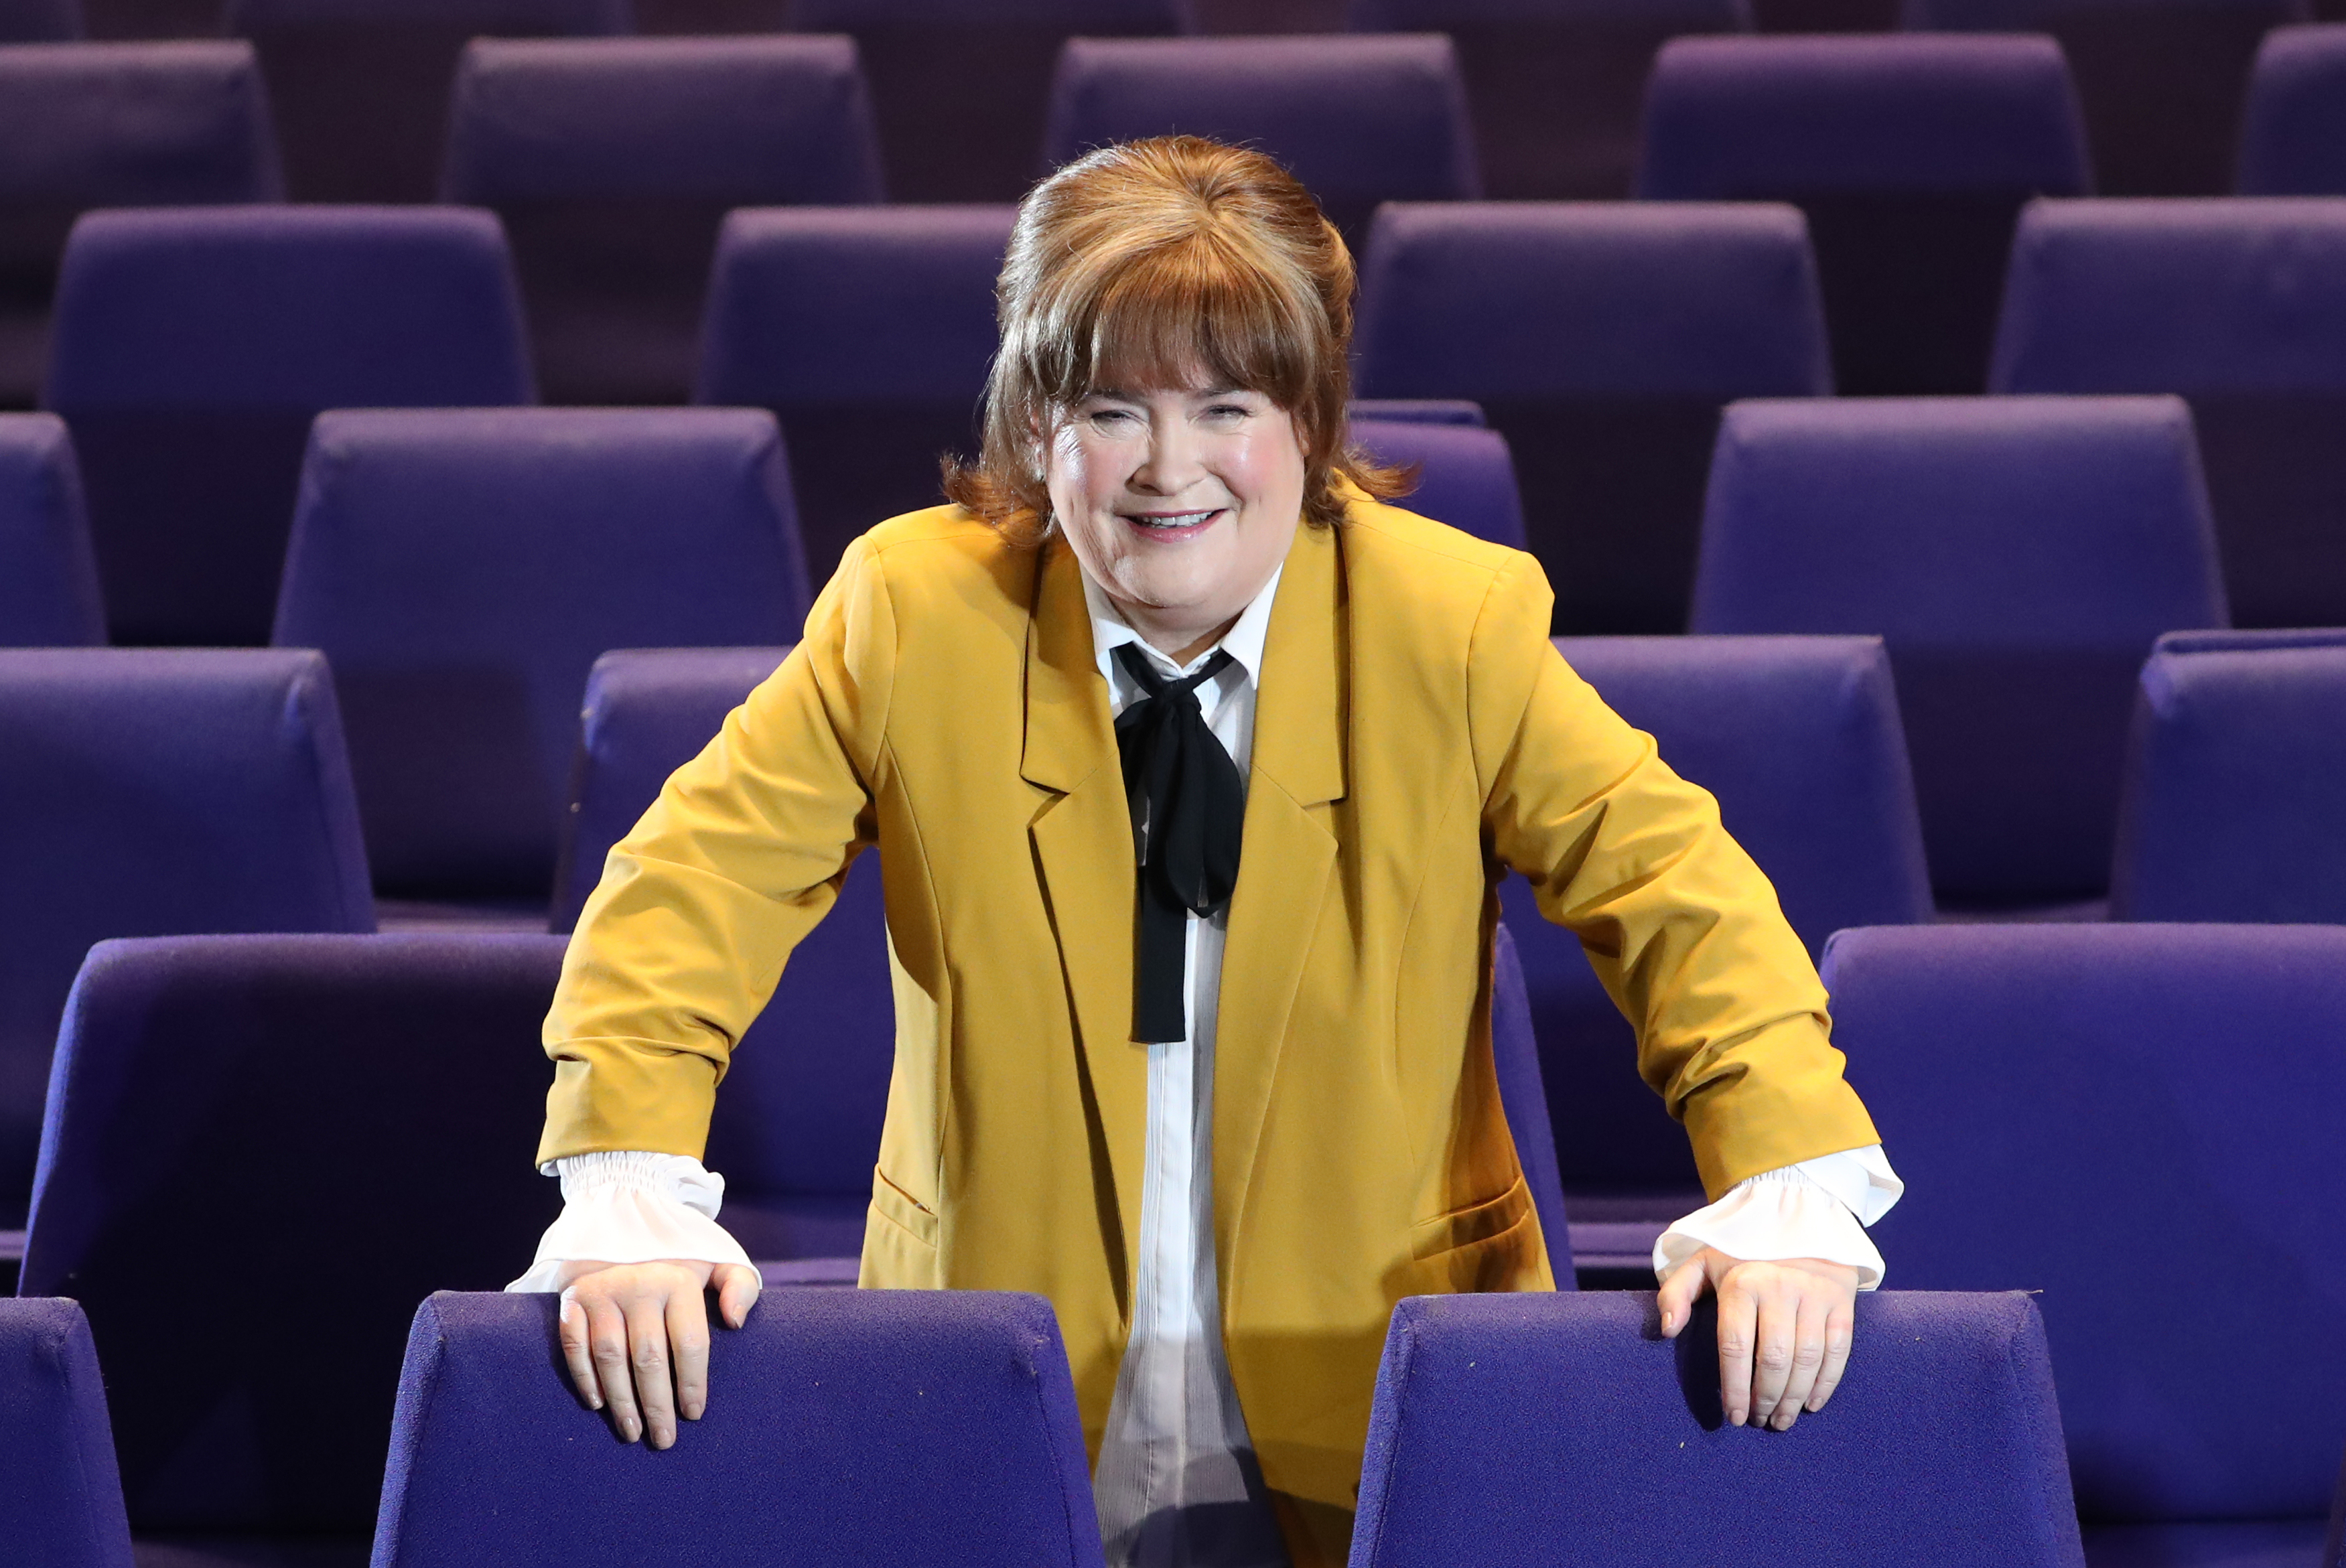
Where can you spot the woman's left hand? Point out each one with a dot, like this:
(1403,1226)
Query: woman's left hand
(1784,1329)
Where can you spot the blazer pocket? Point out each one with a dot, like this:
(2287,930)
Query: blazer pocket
(902,1209)
(1494,1246)
(1476,1222)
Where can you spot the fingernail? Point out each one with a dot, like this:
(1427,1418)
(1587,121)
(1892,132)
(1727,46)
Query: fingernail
(1735,1418)
(1669,1322)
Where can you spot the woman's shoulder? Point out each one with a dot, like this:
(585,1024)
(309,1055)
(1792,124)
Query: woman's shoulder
(1432,566)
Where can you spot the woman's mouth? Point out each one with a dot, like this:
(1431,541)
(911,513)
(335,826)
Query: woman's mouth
(1172,525)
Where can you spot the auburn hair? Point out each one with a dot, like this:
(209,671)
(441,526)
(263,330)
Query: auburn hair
(1135,267)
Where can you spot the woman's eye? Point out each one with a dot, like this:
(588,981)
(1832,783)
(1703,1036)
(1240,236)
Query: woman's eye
(1228,410)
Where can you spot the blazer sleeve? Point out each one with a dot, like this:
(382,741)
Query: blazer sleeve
(1681,927)
(682,941)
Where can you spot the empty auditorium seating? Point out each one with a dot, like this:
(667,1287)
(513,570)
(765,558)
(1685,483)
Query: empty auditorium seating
(60,1495)
(193,346)
(1418,410)
(1465,478)
(1799,738)
(1601,340)
(868,332)
(463,568)
(152,792)
(961,88)
(613,160)
(2161,82)
(39,21)
(866,1426)
(1910,157)
(1359,120)
(48,579)
(261,1151)
(1511,1431)
(1523,1095)
(2238,305)
(2019,556)
(112,124)
(2293,137)
(2140,1122)
(360,88)
(2233,807)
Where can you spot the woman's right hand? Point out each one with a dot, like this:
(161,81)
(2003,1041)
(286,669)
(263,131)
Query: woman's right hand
(636,1335)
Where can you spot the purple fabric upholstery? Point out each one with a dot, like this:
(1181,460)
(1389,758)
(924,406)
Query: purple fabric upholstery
(2140,1122)
(146,793)
(962,87)
(1799,738)
(360,88)
(2161,82)
(1535,1429)
(192,349)
(464,568)
(796,1127)
(883,1427)
(1467,477)
(1556,86)
(2241,306)
(613,160)
(112,124)
(2272,1543)
(39,21)
(1911,156)
(60,1496)
(1419,410)
(2018,556)
(2293,140)
(1514,1055)
(1601,339)
(350,1117)
(48,579)
(868,332)
(2234,809)
(1359,120)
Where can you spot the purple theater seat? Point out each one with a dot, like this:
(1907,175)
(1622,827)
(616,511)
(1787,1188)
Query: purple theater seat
(2240,305)
(1467,477)
(1514,1431)
(193,347)
(1515,1058)
(2234,808)
(1601,339)
(2019,555)
(1910,157)
(112,124)
(961,88)
(344,1121)
(360,88)
(39,21)
(146,793)
(2293,139)
(1418,410)
(1799,738)
(899,1429)
(463,569)
(60,1495)
(48,579)
(1359,120)
(2160,82)
(2141,1123)
(613,160)
(868,332)
(797,1126)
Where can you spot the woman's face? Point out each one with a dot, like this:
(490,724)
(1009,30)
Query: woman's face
(1179,502)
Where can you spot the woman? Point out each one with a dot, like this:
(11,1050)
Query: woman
(1194,767)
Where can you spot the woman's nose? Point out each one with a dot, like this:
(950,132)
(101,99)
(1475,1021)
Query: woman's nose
(1170,464)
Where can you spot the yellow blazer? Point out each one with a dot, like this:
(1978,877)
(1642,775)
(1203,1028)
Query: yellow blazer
(1416,735)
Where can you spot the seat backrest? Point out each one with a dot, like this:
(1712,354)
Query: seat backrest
(382,1093)
(146,793)
(40,21)
(2293,135)
(868,332)
(1418,410)
(2240,305)
(2232,809)
(60,1493)
(48,579)
(464,568)
(1799,738)
(1601,339)
(613,160)
(1514,1430)
(193,347)
(1466,477)
(1515,1057)
(2018,556)
(1359,120)
(865,1426)
(1910,156)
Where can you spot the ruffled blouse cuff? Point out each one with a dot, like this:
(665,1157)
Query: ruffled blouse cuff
(1817,1208)
(631,1208)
